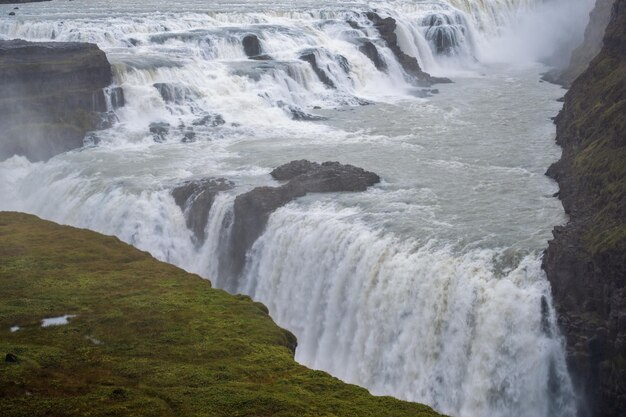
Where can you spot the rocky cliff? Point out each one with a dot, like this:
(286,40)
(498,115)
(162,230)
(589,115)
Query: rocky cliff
(251,210)
(591,46)
(50,96)
(586,260)
(138,337)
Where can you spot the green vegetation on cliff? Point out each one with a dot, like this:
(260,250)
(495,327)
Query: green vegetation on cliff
(586,261)
(593,122)
(147,339)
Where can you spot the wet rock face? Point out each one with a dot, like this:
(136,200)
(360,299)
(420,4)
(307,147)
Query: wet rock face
(159,131)
(321,74)
(444,32)
(212,120)
(293,169)
(173,93)
(251,45)
(195,198)
(51,95)
(387,29)
(117,98)
(252,209)
(586,261)
(369,50)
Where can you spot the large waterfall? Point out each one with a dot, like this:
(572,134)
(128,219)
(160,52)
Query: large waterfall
(426,287)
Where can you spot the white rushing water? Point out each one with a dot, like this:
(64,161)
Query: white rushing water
(428,286)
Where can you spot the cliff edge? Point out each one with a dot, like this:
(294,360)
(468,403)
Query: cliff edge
(51,94)
(586,260)
(92,326)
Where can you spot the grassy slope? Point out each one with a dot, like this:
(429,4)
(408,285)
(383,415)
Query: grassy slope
(170,344)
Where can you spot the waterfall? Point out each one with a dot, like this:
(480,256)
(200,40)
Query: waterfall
(427,287)
(469,339)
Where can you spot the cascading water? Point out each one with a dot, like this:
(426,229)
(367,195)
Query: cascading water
(427,287)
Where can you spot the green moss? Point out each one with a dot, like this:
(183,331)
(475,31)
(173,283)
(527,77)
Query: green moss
(595,124)
(148,338)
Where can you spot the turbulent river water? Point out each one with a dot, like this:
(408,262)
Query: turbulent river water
(426,287)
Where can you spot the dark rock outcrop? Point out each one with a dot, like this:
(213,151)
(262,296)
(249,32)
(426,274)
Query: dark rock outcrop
(321,74)
(212,120)
(262,57)
(369,50)
(159,131)
(293,169)
(591,46)
(117,98)
(387,29)
(443,32)
(195,198)
(252,209)
(298,113)
(251,45)
(51,94)
(173,93)
(189,136)
(586,261)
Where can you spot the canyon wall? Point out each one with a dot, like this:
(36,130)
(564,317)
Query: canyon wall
(51,94)
(586,260)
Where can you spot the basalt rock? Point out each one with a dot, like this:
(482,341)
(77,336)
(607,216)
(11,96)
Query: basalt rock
(369,50)
(387,29)
(252,209)
(299,114)
(159,131)
(261,57)
(442,32)
(586,261)
(212,120)
(251,45)
(321,74)
(51,95)
(293,169)
(189,136)
(173,93)
(117,98)
(195,198)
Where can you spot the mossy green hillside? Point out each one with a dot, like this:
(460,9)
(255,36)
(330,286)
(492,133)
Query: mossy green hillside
(147,339)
